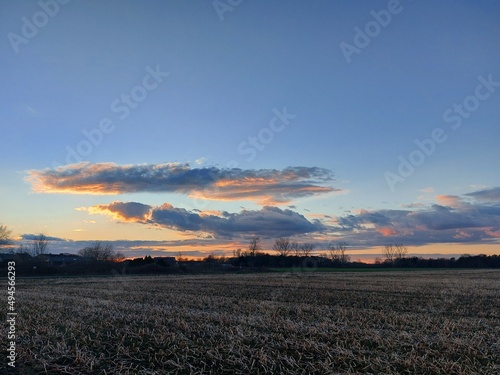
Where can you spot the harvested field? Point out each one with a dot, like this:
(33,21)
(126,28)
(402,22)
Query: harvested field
(423,322)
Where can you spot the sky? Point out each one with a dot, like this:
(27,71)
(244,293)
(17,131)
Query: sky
(188,127)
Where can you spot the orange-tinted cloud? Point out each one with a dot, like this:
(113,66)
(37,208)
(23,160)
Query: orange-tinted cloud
(210,213)
(450,201)
(492,233)
(387,232)
(266,186)
(128,212)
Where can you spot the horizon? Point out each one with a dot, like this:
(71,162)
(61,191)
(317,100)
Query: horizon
(186,129)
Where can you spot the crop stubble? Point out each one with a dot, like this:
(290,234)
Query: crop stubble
(295,323)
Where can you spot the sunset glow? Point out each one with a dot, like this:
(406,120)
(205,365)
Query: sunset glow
(165,130)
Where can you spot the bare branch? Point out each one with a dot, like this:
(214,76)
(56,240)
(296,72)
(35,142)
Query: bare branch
(295,247)
(337,253)
(254,246)
(393,252)
(282,246)
(39,245)
(100,251)
(307,248)
(5,234)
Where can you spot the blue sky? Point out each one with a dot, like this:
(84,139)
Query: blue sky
(248,90)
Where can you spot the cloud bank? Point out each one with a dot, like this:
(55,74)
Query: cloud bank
(269,222)
(265,186)
(487,195)
(471,218)
(452,219)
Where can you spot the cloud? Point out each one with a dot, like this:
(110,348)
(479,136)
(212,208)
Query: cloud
(269,222)
(35,237)
(451,201)
(412,205)
(266,186)
(131,212)
(429,189)
(487,195)
(452,220)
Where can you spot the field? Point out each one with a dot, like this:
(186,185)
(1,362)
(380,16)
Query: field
(422,322)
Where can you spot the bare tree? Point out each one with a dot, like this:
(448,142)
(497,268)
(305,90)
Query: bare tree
(401,251)
(282,246)
(5,234)
(23,249)
(337,253)
(100,251)
(393,252)
(304,249)
(295,248)
(39,245)
(254,246)
(307,248)
(389,252)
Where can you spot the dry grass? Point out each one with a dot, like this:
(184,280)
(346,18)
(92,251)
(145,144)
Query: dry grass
(445,322)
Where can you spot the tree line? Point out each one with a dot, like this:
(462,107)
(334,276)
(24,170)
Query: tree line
(101,257)
(39,246)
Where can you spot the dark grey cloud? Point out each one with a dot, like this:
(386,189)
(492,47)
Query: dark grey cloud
(34,237)
(487,195)
(454,220)
(267,222)
(440,217)
(380,218)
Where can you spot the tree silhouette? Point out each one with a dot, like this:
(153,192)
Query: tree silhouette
(283,246)
(100,251)
(39,246)
(307,248)
(5,234)
(337,253)
(254,246)
(393,252)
